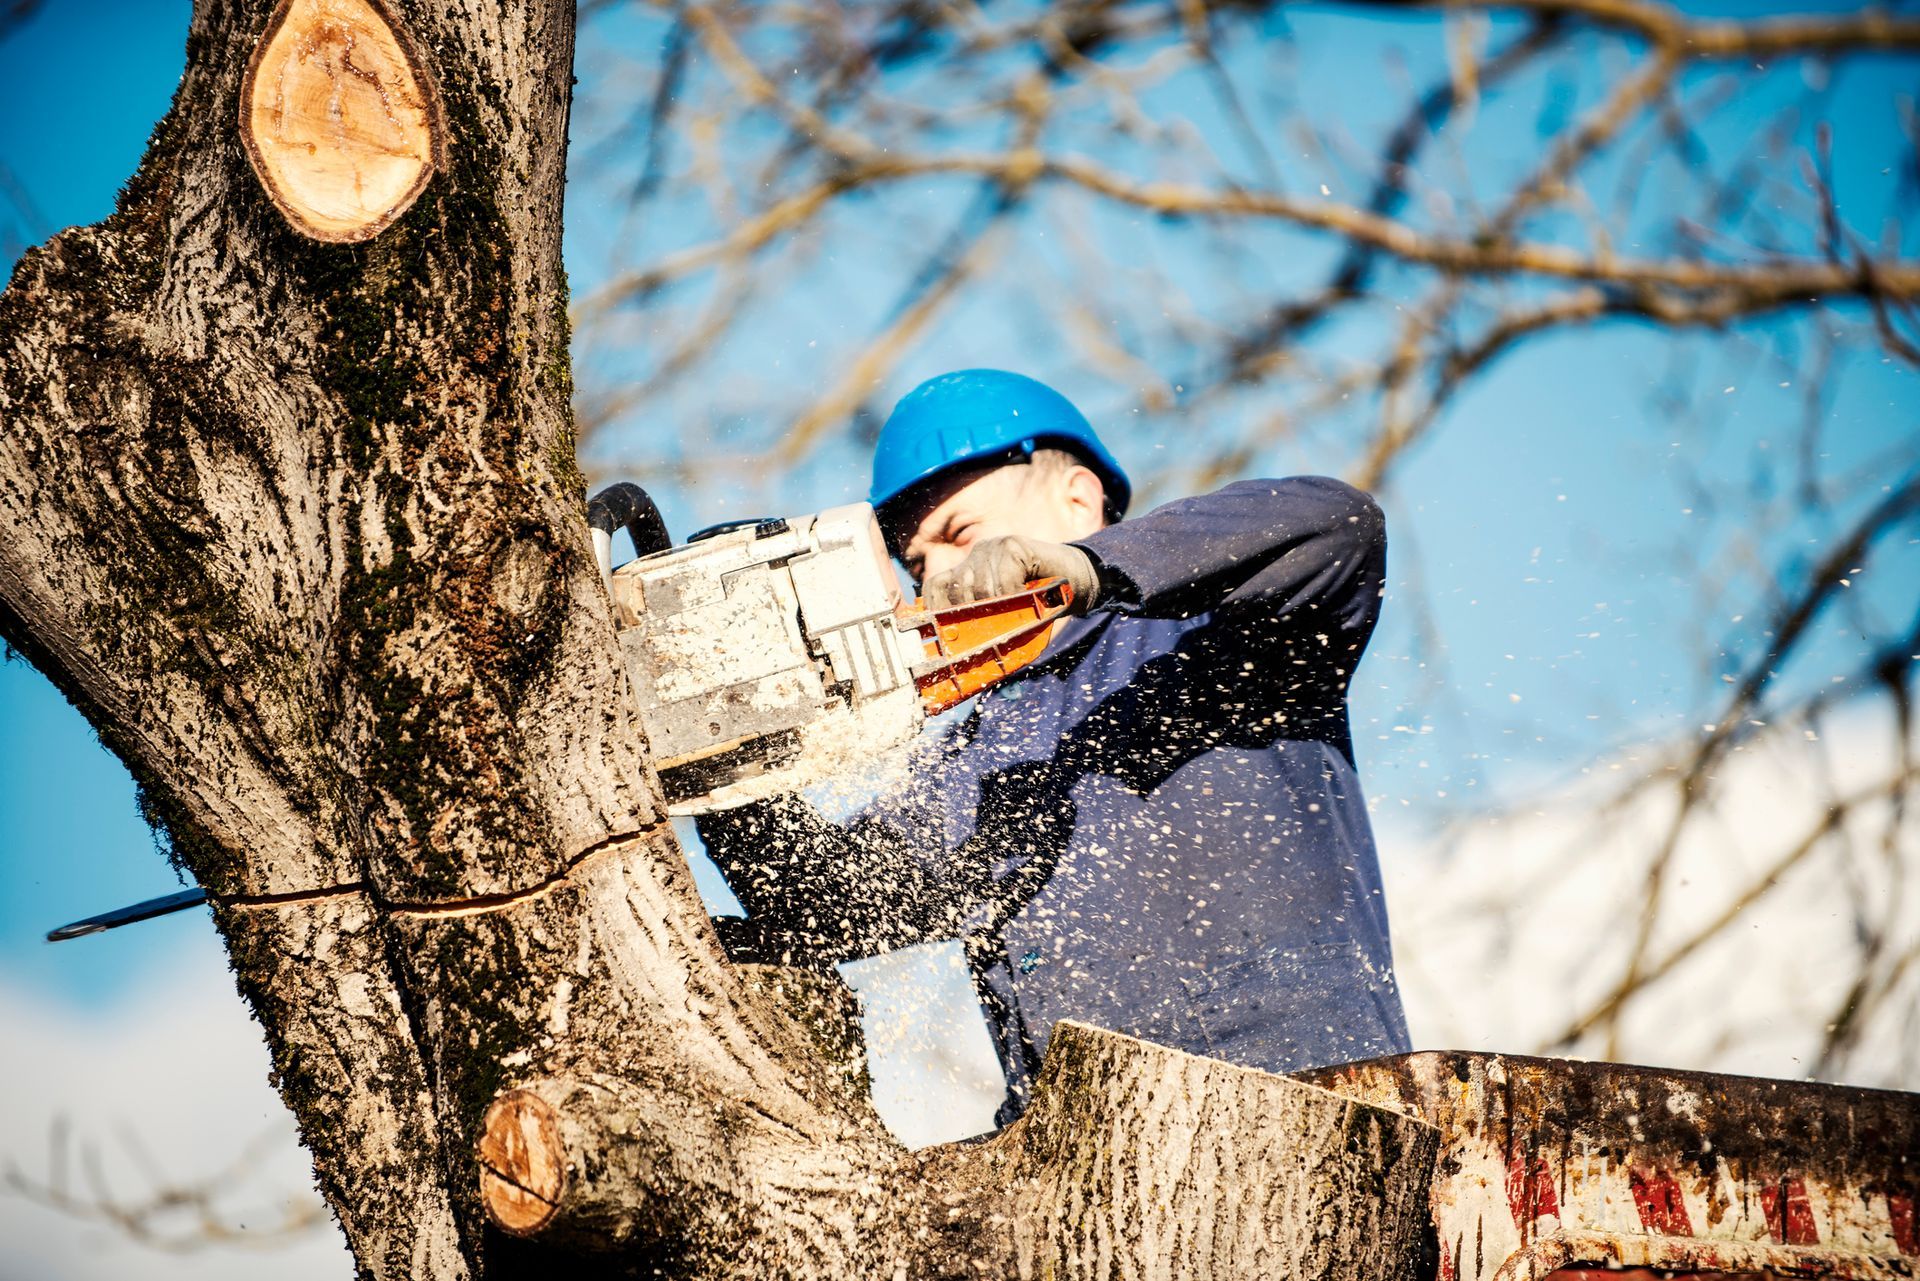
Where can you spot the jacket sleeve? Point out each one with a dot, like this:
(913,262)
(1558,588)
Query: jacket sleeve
(1307,550)
(817,892)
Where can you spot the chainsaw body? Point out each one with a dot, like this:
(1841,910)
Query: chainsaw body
(778,654)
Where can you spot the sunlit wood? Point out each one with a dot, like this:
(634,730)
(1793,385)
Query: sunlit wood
(522,1165)
(340,118)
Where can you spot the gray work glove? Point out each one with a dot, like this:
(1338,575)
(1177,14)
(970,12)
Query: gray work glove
(999,566)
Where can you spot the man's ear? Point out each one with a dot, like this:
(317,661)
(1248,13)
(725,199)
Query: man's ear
(1086,500)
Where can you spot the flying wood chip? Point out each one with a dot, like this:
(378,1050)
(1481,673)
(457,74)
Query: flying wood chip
(340,117)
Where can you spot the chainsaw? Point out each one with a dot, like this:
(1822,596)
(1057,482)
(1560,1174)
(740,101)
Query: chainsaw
(769,655)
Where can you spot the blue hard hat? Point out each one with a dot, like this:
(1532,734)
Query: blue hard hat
(976,414)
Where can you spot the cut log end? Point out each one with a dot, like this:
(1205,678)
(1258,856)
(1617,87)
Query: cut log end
(340,117)
(523,1173)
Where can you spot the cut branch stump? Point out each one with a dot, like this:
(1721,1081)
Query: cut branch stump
(340,117)
(1145,1162)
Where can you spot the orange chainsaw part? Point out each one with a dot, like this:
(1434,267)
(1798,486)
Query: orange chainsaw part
(979,645)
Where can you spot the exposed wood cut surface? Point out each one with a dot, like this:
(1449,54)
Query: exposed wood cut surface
(522,1171)
(340,117)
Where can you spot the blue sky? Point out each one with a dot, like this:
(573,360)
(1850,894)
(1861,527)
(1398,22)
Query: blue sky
(1542,519)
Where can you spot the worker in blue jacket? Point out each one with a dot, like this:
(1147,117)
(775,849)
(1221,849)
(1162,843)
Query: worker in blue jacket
(1156,828)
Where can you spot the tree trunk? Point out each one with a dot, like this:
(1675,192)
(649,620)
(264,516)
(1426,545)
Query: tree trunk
(296,523)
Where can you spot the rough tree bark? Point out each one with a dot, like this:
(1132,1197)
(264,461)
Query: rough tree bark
(296,523)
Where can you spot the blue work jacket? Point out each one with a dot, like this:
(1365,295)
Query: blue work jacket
(1157,828)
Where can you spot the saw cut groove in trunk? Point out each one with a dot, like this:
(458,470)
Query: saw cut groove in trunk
(340,117)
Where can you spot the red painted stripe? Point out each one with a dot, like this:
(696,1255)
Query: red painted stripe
(1789,1212)
(1900,1210)
(1530,1193)
(1657,1196)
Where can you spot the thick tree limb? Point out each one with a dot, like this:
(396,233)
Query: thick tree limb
(1132,1158)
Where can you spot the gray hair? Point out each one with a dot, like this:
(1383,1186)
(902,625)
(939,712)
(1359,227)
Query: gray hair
(1048,463)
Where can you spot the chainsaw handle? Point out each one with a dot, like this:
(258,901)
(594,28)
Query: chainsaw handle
(625,506)
(973,647)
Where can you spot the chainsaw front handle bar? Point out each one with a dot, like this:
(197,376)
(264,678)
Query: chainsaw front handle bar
(629,507)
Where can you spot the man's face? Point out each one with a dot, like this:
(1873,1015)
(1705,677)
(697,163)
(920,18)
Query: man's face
(968,505)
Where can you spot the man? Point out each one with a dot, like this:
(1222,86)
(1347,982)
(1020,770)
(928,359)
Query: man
(1156,828)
